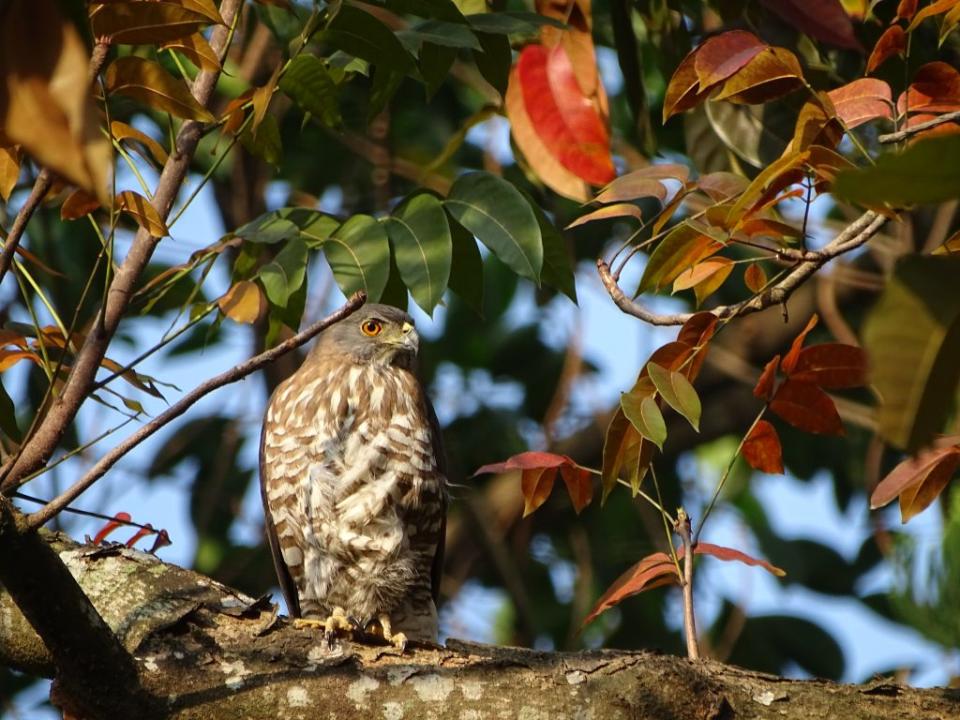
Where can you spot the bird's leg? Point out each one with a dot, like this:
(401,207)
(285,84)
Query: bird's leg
(398,640)
(333,624)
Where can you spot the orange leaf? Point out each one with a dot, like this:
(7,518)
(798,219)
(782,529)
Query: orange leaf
(832,365)
(10,158)
(764,386)
(147,217)
(701,272)
(617,210)
(729,554)
(624,447)
(824,20)
(712,282)
(722,55)
(762,227)
(78,204)
(906,9)
(243,303)
(754,277)
(196,48)
(642,183)
(121,518)
(121,131)
(910,473)
(696,333)
(579,486)
(536,484)
(892,42)
(148,82)
(935,8)
(683,91)
(862,100)
(721,185)
(772,73)
(653,571)
(140,534)
(805,406)
(935,88)
(9,358)
(790,359)
(565,120)
(762,450)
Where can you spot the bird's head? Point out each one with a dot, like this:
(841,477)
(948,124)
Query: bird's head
(375,333)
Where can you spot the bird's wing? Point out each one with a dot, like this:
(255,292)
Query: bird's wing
(287,584)
(436,440)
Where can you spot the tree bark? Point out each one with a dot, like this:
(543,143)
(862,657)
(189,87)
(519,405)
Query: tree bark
(203,650)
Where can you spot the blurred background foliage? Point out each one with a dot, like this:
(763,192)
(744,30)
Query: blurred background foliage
(513,376)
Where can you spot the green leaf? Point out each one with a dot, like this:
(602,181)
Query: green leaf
(511,23)
(439,9)
(441,32)
(278,225)
(395,292)
(499,216)
(913,338)
(494,60)
(386,82)
(435,64)
(264,142)
(422,247)
(680,250)
(466,268)
(644,413)
(8,416)
(359,256)
(677,392)
(926,172)
(283,275)
(308,83)
(557,269)
(364,36)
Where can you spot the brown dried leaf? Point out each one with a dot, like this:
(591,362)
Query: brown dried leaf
(196,48)
(148,82)
(140,209)
(121,131)
(10,158)
(762,450)
(805,406)
(863,100)
(144,23)
(78,204)
(772,73)
(755,278)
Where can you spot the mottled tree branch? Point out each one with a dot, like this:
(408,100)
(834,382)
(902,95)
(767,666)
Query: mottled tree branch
(205,651)
(853,236)
(918,128)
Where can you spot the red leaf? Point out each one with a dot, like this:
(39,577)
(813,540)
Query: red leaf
(141,533)
(653,571)
(696,332)
(120,519)
(536,484)
(862,100)
(805,406)
(764,386)
(579,486)
(909,473)
(824,20)
(565,119)
(790,359)
(162,540)
(684,91)
(722,55)
(935,88)
(729,554)
(892,42)
(722,185)
(526,461)
(754,277)
(762,450)
(832,366)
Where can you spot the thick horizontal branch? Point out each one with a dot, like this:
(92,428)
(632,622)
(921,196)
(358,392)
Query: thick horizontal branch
(232,375)
(853,236)
(205,651)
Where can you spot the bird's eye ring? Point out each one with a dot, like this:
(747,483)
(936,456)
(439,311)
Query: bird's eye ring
(371,328)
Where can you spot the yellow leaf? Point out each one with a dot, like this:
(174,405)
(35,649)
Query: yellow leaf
(47,107)
(78,204)
(144,23)
(243,303)
(148,82)
(140,209)
(262,97)
(10,157)
(121,131)
(196,48)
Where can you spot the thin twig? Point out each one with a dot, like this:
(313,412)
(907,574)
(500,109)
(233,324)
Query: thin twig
(37,451)
(183,404)
(919,127)
(682,529)
(853,236)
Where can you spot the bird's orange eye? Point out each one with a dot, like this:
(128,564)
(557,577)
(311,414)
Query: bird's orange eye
(371,328)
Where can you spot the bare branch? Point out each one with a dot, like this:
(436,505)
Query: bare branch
(40,187)
(185,403)
(38,448)
(919,127)
(682,528)
(853,236)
